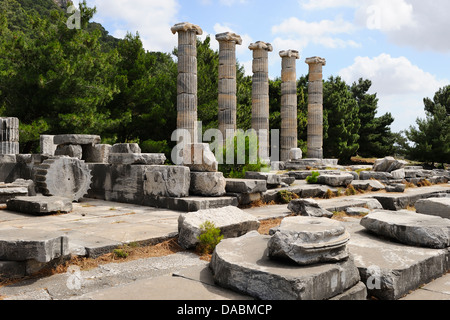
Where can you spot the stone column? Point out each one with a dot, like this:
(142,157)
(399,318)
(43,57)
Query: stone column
(227,81)
(260,95)
(9,136)
(315,108)
(289,135)
(187,77)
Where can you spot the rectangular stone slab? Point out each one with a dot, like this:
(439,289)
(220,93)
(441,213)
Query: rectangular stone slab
(40,205)
(391,269)
(232,221)
(137,158)
(242,264)
(410,197)
(435,207)
(22,245)
(410,228)
(246,186)
(77,139)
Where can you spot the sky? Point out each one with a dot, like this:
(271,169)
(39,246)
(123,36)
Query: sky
(402,46)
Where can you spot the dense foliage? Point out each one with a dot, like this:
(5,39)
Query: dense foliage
(60,80)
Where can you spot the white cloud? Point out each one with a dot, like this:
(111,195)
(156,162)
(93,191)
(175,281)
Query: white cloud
(321,33)
(385,15)
(151,18)
(415,23)
(246,39)
(392,75)
(327,4)
(399,84)
(230,3)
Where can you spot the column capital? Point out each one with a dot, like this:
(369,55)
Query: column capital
(290,54)
(186,26)
(260,45)
(229,37)
(316,60)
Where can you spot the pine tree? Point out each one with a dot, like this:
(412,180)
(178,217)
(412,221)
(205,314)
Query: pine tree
(375,136)
(341,121)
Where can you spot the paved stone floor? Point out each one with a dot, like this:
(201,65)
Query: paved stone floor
(98,224)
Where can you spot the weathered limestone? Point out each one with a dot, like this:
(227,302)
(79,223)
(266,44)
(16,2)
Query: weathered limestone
(167,181)
(273,180)
(397,187)
(289,112)
(47,145)
(246,186)
(40,205)
(308,241)
(367,175)
(98,153)
(260,95)
(434,206)
(242,264)
(401,201)
(207,184)
(399,174)
(36,245)
(308,207)
(232,222)
(341,180)
(227,82)
(187,77)
(9,192)
(76,139)
(63,176)
(391,269)
(9,136)
(295,154)
(373,185)
(199,158)
(137,158)
(315,107)
(125,148)
(73,151)
(388,164)
(410,228)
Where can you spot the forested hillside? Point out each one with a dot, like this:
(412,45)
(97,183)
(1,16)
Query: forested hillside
(58,80)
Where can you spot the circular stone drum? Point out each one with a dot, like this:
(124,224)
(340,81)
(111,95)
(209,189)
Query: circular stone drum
(309,240)
(64,177)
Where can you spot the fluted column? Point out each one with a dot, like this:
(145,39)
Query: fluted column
(260,95)
(9,136)
(315,107)
(227,81)
(187,77)
(289,133)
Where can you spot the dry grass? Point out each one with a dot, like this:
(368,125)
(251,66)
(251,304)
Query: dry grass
(133,252)
(266,225)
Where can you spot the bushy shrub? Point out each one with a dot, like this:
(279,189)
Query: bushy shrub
(242,160)
(312,179)
(209,238)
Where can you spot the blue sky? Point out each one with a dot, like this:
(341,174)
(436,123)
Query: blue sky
(401,45)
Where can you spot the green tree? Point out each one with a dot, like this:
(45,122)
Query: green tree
(375,136)
(58,75)
(431,137)
(341,121)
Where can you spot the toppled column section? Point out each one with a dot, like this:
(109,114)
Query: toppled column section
(227,82)
(289,133)
(260,95)
(307,240)
(9,136)
(315,107)
(187,77)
